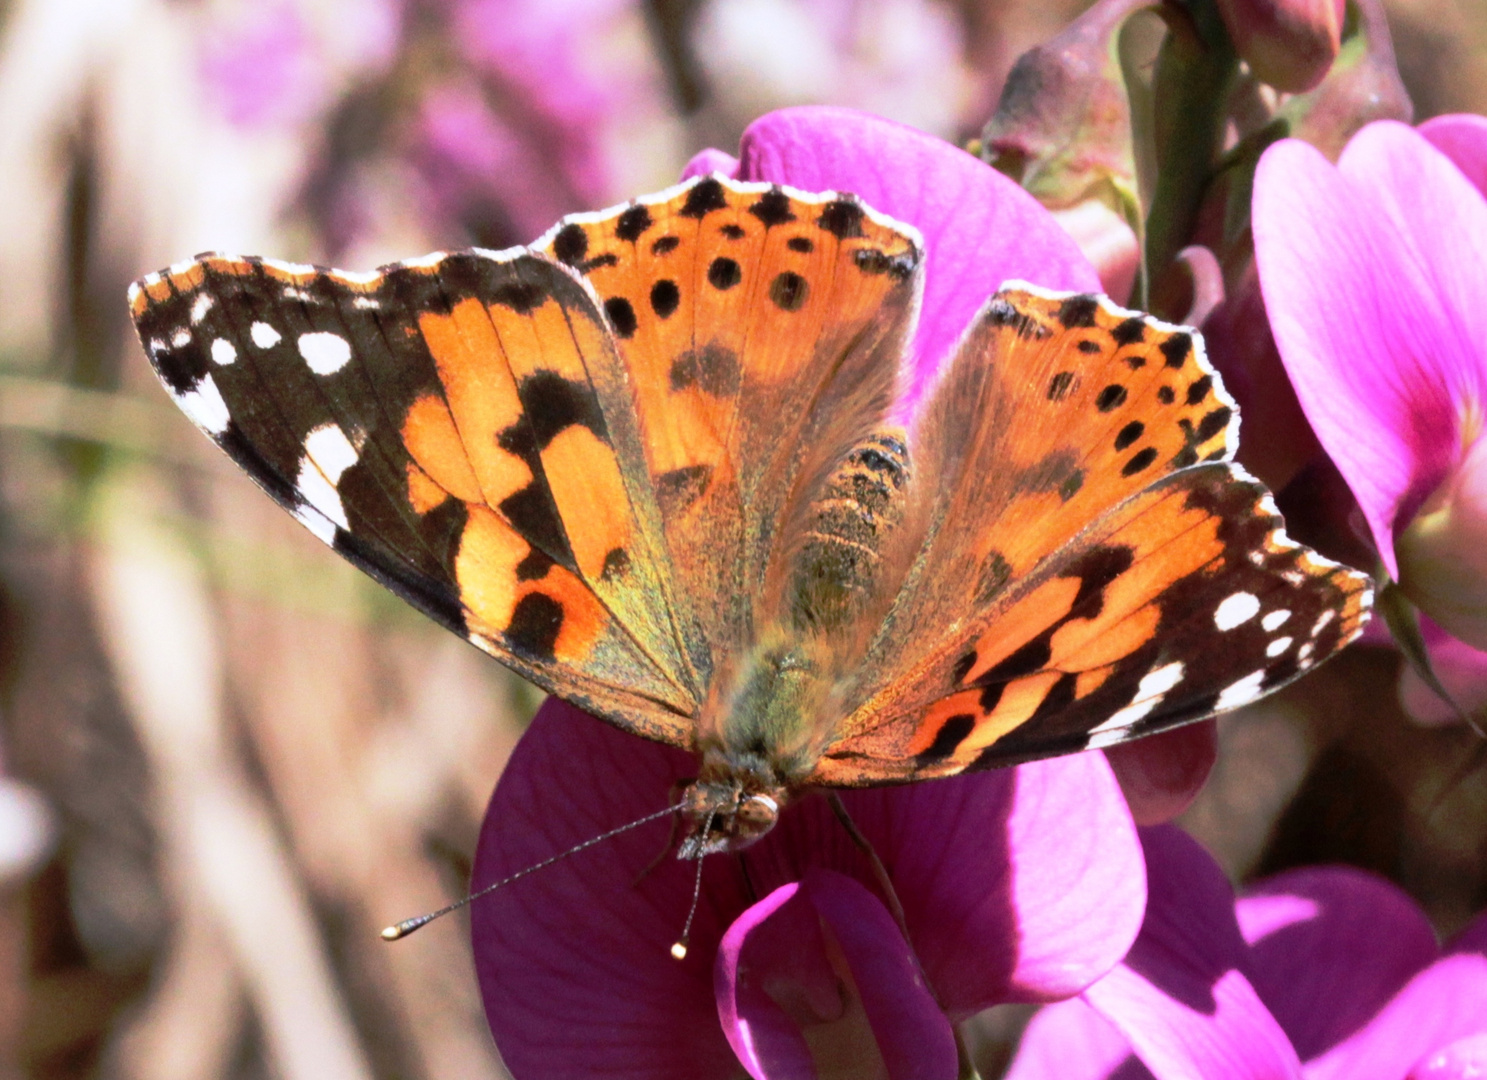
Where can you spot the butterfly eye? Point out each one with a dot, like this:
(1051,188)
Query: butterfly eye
(759,811)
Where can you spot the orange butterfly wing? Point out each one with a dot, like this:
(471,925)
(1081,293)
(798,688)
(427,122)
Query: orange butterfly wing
(1088,556)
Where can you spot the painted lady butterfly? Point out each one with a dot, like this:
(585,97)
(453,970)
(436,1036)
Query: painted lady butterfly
(654,463)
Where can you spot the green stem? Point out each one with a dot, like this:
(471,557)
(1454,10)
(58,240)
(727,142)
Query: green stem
(1195,71)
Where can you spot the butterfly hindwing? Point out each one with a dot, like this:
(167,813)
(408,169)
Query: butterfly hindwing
(437,424)
(1184,601)
(1077,545)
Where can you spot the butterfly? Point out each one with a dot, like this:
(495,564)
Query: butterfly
(664,464)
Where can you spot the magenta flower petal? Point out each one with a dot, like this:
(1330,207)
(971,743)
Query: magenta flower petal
(1043,857)
(1378,343)
(573,962)
(1462,137)
(1181,997)
(1022,883)
(1464,1059)
(980,229)
(711,161)
(1441,1005)
(1305,929)
(819,968)
(1068,1040)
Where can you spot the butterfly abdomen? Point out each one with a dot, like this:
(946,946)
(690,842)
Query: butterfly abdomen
(840,553)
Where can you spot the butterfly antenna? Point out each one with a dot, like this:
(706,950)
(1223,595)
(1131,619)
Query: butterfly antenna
(398,931)
(679,950)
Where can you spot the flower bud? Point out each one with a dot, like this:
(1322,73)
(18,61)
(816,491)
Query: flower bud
(1062,130)
(1443,552)
(1289,44)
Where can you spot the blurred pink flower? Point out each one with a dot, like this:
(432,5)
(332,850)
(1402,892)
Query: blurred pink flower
(1376,290)
(262,66)
(1321,973)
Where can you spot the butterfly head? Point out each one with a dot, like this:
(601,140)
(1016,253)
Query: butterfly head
(729,809)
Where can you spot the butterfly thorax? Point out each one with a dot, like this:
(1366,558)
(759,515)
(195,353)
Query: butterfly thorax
(772,710)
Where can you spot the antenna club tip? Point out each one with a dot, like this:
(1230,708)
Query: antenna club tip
(391,933)
(679,951)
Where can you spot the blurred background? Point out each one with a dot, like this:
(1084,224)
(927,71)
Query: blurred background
(226,758)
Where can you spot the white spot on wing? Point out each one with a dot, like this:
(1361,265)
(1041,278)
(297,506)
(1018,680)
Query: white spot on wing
(1304,653)
(365,303)
(181,338)
(1278,646)
(1274,620)
(326,353)
(1236,610)
(203,305)
(223,352)
(320,493)
(264,335)
(1322,620)
(316,523)
(1150,691)
(204,405)
(330,450)
(1240,693)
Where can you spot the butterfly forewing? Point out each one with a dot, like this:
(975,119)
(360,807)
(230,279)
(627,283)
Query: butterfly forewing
(384,413)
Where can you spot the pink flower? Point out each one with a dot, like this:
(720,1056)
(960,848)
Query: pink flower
(1017,885)
(1023,884)
(1321,973)
(1376,289)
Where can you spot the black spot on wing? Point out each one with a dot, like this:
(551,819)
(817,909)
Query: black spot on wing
(666,245)
(732,231)
(522,297)
(724,273)
(703,199)
(951,734)
(633,223)
(1002,313)
(788,291)
(1198,389)
(665,298)
(534,566)
(535,625)
(1078,312)
(553,404)
(801,244)
(773,208)
(1176,349)
(842,218)
(621,316)
(571,244)
(1130,331)
(1111,397)
(532,514)
(1139,460)
(1213,423)
(1129,434)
